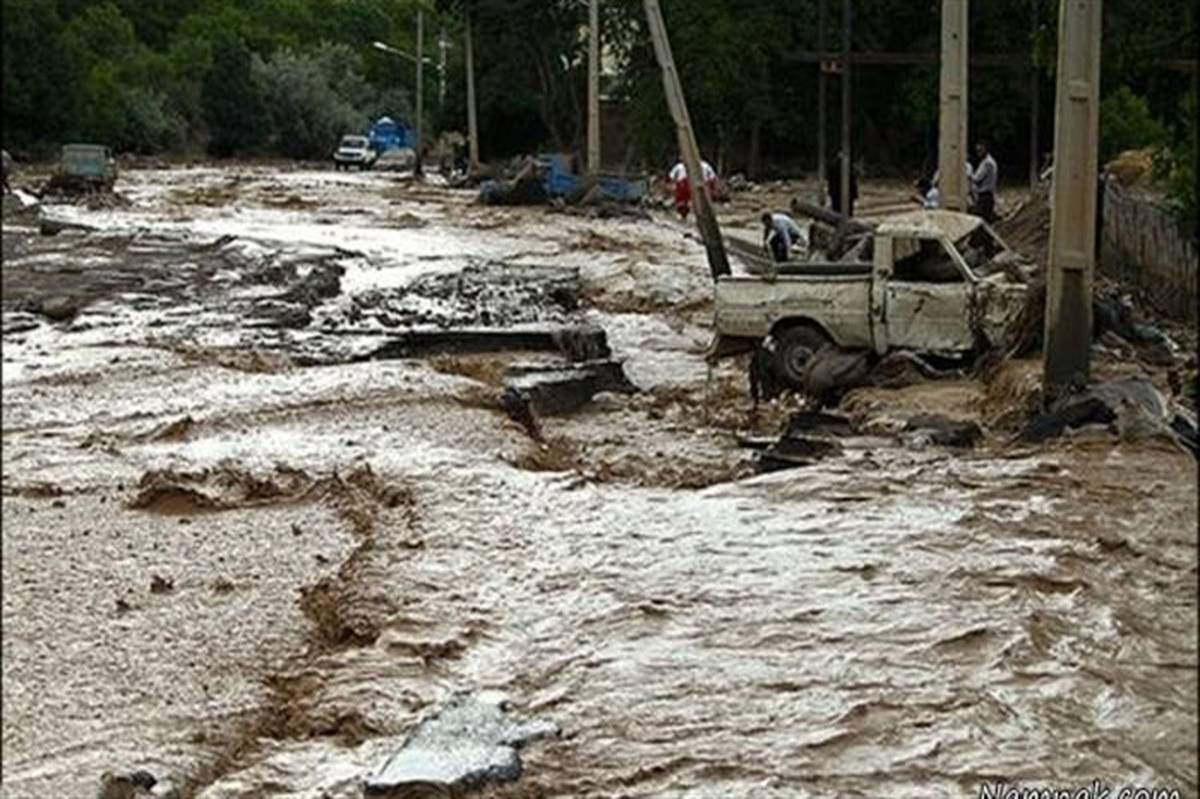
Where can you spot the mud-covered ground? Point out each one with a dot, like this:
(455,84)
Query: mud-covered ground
(244,550)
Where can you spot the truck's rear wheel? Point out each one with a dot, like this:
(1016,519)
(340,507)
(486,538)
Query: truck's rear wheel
(794,347)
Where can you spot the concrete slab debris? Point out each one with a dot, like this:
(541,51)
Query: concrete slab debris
(471,742)
(557,390)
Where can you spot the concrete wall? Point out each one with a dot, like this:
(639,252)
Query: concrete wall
(1143,245)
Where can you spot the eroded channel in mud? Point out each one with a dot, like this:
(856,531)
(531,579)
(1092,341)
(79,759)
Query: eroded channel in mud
(257,576)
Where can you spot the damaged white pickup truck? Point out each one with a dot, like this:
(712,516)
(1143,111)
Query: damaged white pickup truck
(934,282)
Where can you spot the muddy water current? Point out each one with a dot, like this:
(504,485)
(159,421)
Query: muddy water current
(255,577)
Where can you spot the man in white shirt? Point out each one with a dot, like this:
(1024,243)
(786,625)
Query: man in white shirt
(780,234)
(983,183)
(683,189)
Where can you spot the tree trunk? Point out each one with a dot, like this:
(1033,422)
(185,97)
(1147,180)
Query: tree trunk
(754,158)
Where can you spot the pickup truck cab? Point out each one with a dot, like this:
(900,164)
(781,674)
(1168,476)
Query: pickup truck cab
(354,151)
(937,282)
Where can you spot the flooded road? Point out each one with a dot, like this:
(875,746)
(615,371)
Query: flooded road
(255,576)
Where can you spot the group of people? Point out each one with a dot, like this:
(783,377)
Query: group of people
(981,186)
(781,233)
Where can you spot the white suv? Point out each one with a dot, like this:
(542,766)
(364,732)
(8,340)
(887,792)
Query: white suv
(354,151)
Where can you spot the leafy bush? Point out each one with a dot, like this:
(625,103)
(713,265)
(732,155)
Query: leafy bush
(1127,124)
(233,105)
(1175,166)
(308,98)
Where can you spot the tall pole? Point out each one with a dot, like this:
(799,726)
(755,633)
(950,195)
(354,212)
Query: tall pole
(1073,208)
(1035,98)
(418,165)
(472,125)
(952,106)
(846,156)
(593,129)
(443,46)
(706,220)
(822,123)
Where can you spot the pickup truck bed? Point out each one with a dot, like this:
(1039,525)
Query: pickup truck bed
(840,300)
(758,263)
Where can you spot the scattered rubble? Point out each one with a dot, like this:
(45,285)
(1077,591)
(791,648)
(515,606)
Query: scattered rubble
(1131,408)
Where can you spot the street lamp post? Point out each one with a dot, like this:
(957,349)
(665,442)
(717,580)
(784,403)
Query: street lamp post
(418,164)
(420,60)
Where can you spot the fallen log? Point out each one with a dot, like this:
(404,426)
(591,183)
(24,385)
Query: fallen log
(829,217)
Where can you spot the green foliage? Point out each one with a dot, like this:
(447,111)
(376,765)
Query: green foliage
(312,98)
(233,104)
(1126,124)
(1175,166)
(40,77)
(164,74)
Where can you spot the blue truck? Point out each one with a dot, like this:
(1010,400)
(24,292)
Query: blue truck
(560,180)
(388,134)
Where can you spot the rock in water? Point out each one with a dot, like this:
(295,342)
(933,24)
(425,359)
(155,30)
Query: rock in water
(59,309)
(126,785)
(469,743)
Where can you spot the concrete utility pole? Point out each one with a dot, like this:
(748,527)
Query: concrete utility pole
(706,220)
(593,130)
(952,123)
(846,155)
(822,123)
(1068,333)
(472,126)
(418,164)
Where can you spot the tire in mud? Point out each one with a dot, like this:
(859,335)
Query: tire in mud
(794,347)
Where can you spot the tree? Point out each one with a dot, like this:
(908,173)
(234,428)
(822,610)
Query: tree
(41,78)
(233,106)
(1126,124)
(312,98)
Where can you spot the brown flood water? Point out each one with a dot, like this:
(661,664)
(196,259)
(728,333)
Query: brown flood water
(342,548)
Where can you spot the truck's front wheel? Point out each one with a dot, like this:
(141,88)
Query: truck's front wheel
(794,347)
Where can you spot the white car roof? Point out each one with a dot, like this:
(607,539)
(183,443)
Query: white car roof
(931,224)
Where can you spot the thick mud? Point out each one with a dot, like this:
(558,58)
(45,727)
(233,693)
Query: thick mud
(245,555)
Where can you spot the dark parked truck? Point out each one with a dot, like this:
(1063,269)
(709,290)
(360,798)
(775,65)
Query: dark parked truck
(937,282)
(85,167)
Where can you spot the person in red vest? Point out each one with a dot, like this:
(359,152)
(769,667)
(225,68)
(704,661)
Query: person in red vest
(683,189)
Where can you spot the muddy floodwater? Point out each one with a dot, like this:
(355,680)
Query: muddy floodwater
(245,550)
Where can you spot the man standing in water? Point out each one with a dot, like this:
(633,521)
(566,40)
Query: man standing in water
(983,184)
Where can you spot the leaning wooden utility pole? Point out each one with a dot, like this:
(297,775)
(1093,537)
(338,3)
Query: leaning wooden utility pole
(418,163)
(1035,94)
(952,113)
(846,154)
(593,129)
(822,123)
(706,220)
(1068,333)
(472,126)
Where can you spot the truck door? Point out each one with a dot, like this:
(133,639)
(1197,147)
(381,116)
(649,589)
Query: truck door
(927,297)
